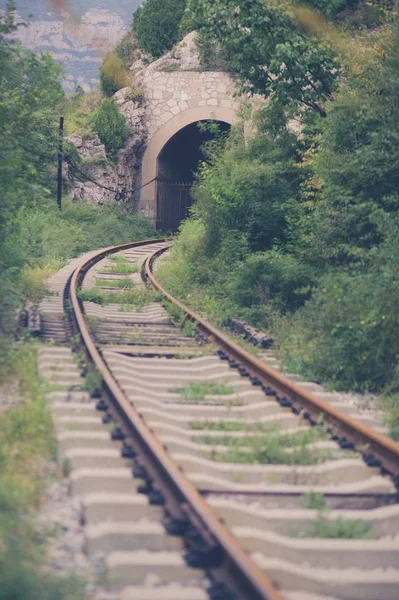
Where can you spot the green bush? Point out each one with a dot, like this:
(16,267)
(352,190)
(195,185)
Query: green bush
(211,54)
(113,75)
(110,125)
(156,25)
(49,234)
(271,278)
(348,332)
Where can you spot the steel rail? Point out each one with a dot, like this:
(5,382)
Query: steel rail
(238,571)
(379,449)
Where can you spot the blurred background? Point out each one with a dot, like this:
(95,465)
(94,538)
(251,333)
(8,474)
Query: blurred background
(78,33)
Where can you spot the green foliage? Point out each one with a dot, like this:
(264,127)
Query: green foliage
(30,90)
(156,25)
(113,74)
(270,51)
(49,234)
(299,232)
(247,186)
(275,448)
(347,529)
(197,391)
(126,49)
(354,339)
(124,283)
(132,299)
(77,109)
(26,439)
(271,277)
(120,264)
(110,125)
(212,55)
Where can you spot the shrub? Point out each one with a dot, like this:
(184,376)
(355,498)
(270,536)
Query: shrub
(110,125)
(78,109)
(113,75)
(48,234)
(348,332)
(211,54)
(126,49)
(271,277)
(156,25)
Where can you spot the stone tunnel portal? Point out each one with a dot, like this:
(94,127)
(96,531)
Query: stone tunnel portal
(176,166)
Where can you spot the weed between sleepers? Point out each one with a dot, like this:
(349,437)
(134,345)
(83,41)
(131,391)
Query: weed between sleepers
(134,297)
(232,426)
(124,283)
(197,391)
(121,265)
(274,448)
(178,316)
(323,527)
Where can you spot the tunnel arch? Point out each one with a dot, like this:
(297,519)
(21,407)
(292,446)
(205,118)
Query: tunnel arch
(148,196)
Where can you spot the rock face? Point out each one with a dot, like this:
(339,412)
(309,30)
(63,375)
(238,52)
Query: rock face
(184,57)
(103,181)
(79,36)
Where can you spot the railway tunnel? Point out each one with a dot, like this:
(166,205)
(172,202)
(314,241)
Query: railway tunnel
(177,164)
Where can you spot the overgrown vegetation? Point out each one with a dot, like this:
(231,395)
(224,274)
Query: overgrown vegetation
(110,125)
(197,391)
(156,25)
(121,265)
(26,441)
(35,240)
(124,283)
(295,229)
(276,447)
(113,74)
(323,527)
(128,299)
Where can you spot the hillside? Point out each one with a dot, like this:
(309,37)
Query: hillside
(80,42)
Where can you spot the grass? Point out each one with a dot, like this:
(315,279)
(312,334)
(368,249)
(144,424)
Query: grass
(121,265)
(326,528)
(189,328)
(346,529)
(78,109)
(197,391)
(124,283)
(134,297)
(274,448)
(93,382)
(26,441)
(390,406)
(229,426)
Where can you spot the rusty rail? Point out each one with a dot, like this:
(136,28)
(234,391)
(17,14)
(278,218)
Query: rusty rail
(378,450)
(235,568)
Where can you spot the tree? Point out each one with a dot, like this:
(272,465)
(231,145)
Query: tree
(30,90)
(356,163)
(156,25)
(270,51)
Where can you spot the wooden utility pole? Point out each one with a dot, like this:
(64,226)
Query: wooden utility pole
(60,159)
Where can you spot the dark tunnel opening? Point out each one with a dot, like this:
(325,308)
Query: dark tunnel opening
(177,164)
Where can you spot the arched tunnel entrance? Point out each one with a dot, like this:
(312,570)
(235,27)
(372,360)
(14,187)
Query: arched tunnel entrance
(176,165)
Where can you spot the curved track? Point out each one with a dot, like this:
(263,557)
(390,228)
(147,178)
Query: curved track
(198,456)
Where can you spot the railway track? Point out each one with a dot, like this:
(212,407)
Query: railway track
(202,472)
